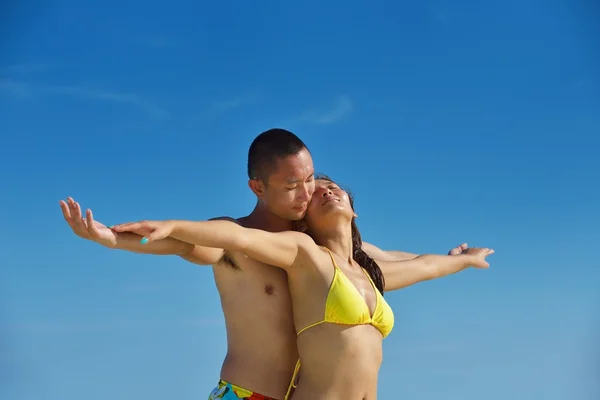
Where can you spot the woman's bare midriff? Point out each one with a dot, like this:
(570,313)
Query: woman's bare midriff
(339,362)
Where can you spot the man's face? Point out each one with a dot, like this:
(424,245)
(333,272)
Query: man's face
(291,186)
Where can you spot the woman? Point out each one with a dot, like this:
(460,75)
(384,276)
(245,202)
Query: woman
(337,290)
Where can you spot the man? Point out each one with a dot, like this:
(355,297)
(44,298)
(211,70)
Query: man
(259,362)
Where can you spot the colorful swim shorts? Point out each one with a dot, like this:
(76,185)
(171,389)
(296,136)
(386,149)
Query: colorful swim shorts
(227,391)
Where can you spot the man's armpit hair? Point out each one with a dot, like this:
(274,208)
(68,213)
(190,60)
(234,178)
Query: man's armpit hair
(227,259)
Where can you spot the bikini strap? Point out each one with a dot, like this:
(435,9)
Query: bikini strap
(293,382)
(331,255)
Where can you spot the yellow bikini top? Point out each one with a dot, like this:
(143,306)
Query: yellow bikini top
(345,305)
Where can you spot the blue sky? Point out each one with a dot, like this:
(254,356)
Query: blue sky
(471,121)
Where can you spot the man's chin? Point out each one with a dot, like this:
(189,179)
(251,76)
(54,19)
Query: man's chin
(297,215)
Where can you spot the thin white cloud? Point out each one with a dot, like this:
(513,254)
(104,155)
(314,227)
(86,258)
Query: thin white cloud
(110,96)
(214,108)
(23,90)
(342,107)
(239,101)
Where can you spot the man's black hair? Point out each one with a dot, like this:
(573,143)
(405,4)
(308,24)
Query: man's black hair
(267,148)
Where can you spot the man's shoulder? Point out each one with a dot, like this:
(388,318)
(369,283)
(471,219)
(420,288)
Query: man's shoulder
(246,221)
(226,218)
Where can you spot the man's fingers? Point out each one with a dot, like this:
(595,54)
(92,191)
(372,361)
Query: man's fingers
(73,208)
(91,226)
(75,213)
(69,213)
(78,220)
(65,210)
(459,249)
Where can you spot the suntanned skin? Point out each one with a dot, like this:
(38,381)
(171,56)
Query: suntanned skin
(255,297)
(338,362)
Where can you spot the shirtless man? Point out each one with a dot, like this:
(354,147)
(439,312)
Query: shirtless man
(259,362)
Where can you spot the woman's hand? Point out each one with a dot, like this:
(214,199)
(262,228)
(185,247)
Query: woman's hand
(150,230)
(477,256)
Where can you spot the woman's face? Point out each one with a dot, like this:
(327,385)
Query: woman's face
(328,200)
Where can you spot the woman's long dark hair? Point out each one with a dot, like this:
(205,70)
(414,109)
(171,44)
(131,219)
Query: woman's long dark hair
(359,254)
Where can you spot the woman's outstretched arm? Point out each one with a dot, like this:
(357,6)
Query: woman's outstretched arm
(279,249)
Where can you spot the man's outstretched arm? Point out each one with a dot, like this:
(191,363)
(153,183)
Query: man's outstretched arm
(401,274)
(390,255)
(89,229)
(169,246)
(396,272)
(394,255)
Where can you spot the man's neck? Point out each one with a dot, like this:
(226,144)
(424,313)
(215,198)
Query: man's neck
(262,218)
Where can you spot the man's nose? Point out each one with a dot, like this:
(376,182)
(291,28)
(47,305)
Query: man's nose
(306,194)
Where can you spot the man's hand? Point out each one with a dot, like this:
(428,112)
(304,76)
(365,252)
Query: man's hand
(462,249)
(87,228)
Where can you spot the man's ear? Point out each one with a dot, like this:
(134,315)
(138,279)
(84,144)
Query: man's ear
(258,187)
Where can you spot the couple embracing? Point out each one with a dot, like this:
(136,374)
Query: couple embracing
(311,291)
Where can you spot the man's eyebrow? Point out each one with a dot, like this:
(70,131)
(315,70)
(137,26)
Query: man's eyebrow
(293,180)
